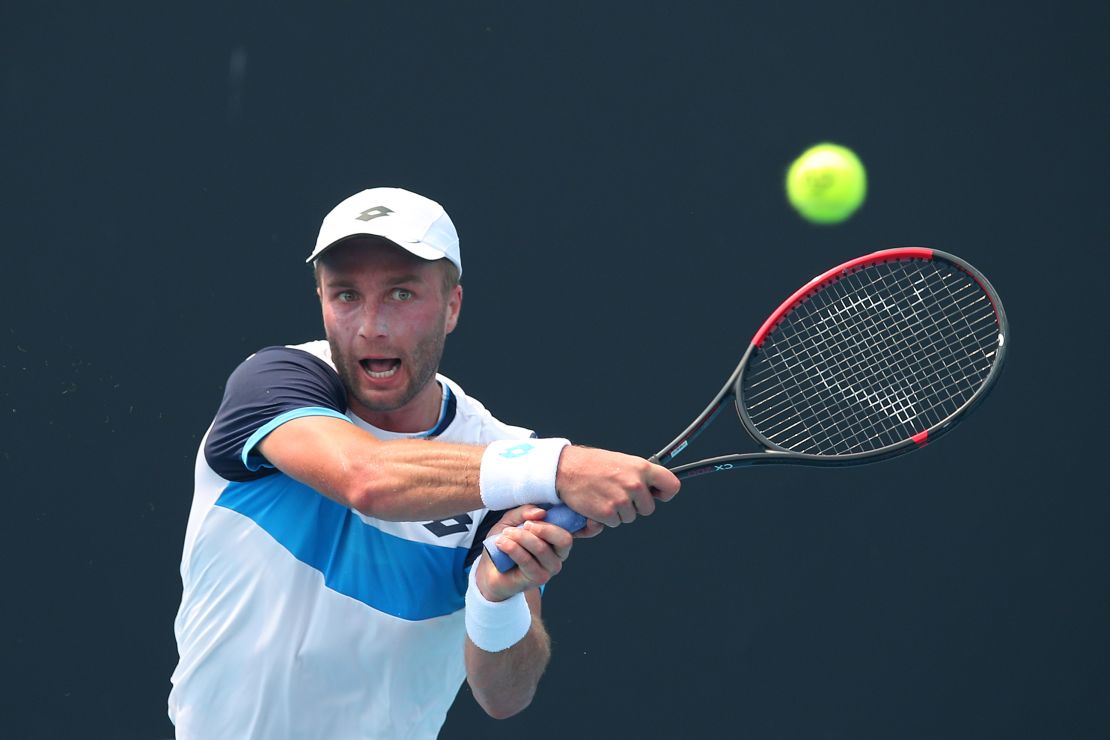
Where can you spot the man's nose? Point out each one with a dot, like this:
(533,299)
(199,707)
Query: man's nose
(375,323)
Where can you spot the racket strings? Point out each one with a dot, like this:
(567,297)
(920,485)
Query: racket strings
(886,360)
(899,406)
(873,358)
(889,361)
(841,425)
(893,407)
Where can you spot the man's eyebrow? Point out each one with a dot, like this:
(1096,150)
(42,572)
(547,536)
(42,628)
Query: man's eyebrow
(346,281)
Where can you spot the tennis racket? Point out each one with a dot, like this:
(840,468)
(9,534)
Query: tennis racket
(869,360)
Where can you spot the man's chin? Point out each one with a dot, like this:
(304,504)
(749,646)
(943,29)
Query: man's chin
(380,402)
(376,394)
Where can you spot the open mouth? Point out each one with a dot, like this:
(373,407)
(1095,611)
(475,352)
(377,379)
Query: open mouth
(380,368)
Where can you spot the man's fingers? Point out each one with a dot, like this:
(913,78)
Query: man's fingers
(525,563)
(610,516)
(521,514)
(538,549)
(610,487)
(644,502)
(537,558)
(627,512)
(559,539)
(662,483)
(592,529)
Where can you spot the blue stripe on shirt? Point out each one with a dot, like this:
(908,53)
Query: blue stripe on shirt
(260,433)
(409,580)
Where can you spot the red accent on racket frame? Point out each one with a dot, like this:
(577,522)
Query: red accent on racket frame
(817,282)
(920,437)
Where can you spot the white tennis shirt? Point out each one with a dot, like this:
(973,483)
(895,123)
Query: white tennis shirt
(299,617)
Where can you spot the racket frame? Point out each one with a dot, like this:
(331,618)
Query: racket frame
(774,454)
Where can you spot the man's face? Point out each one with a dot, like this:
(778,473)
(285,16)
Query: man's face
(387,315)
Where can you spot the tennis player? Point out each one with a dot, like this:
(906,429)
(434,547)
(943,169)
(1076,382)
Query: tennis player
(334,579)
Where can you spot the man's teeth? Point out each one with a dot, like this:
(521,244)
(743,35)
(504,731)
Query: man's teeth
(385,373)
(367,365)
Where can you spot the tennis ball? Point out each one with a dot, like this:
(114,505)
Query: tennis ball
(826,184)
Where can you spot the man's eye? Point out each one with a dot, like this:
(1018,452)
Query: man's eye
(401,294)
(346,296)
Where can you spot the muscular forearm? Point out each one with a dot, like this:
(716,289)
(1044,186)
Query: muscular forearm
(402,480)
(415,480)
(505,682)
(420,480)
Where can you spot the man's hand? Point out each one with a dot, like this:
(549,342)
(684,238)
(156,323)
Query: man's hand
(538,548)
(611,487)
(504,682)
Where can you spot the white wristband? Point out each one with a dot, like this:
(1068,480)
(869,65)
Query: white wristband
(520,471)
(495,625)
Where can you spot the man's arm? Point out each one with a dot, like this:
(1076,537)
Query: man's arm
(419,480)
(504,682)
(396,480)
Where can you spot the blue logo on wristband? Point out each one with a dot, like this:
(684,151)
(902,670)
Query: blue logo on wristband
(517,451)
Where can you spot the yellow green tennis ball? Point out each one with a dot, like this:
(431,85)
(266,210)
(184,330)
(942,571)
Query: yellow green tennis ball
(826,184)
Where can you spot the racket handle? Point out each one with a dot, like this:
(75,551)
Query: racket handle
(560,515)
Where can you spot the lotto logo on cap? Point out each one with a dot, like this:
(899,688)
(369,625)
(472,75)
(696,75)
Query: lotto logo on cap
(411,221)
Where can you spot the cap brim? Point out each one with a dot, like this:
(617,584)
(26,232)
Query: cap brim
(421,250)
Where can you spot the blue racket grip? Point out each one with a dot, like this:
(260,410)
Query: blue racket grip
(560,515)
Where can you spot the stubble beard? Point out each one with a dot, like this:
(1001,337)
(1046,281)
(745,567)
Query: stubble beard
(421,367)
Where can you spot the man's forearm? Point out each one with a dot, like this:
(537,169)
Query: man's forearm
(412,480)
(421,480)
(504,683)
(403,480)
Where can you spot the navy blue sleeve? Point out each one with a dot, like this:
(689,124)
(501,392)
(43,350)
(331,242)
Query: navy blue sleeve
(268,389)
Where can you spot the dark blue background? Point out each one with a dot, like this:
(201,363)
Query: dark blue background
(615,172)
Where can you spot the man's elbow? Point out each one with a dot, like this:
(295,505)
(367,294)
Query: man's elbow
(366,492)
(503,707)
(362,499)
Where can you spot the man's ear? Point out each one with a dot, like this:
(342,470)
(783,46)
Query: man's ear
(454,306)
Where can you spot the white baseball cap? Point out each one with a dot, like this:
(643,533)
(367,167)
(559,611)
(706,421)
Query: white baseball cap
(411,221)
